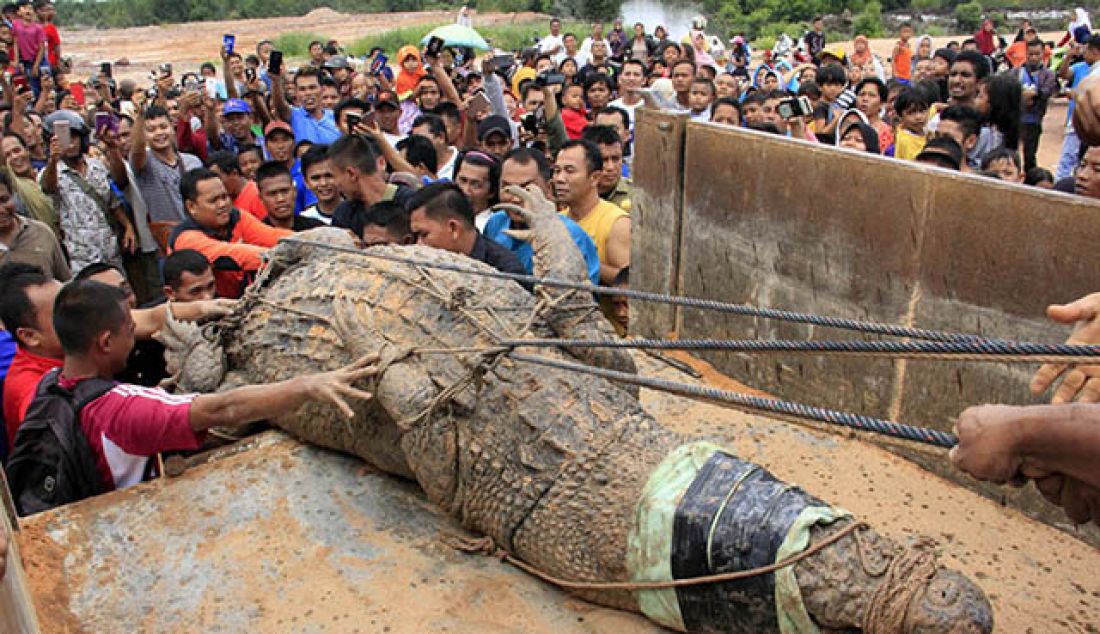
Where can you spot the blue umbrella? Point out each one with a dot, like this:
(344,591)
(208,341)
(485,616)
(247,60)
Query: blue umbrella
(458,35)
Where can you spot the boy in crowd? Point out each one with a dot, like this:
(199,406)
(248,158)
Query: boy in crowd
(700,98)
(277,194)
(912,110)
(317,170)
(832,79)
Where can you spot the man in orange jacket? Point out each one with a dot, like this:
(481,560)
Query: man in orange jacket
(233,242)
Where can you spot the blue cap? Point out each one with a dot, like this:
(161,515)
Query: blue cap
(236,106)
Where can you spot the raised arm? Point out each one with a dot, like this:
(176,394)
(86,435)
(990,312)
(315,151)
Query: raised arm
(280,109)
(138,151)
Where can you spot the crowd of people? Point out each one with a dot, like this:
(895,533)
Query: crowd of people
(158,199)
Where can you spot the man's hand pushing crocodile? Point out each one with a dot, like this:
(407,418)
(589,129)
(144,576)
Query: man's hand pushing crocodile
(566,472)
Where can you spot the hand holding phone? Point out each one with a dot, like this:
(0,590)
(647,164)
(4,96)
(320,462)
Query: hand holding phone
(63,133)
(275,63)
(478,104)
(435,45)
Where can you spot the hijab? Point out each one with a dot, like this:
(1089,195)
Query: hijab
(858,58)
(870,137)
(406,82)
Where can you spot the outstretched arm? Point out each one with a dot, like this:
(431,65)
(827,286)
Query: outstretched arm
(252,403)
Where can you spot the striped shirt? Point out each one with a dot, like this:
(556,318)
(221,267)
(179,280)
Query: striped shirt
(129,424)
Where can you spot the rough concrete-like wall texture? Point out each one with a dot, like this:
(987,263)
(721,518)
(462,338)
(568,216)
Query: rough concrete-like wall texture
(779,223)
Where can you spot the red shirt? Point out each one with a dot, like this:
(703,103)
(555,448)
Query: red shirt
(53,44)
(23,376)
(127,425)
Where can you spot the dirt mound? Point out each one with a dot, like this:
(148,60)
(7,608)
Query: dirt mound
(323,13)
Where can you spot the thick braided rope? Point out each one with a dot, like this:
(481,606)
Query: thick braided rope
(906,576)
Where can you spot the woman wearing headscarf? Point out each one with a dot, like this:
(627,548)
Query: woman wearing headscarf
(1078,30)
(986,38)
(924,51)
(408,60)
(857,135)
(865,59)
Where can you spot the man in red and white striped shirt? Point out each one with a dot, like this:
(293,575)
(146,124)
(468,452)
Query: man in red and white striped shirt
(129,423)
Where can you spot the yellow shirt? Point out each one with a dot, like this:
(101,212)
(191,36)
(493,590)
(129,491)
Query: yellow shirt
(908,145)
(597,224)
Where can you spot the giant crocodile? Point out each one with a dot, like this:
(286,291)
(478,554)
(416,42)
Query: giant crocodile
(566,472)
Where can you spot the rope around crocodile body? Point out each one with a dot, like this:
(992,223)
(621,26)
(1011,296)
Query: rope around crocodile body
(486,546)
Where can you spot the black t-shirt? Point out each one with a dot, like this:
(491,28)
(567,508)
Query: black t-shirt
(498,257)
(301,223)
(352,214)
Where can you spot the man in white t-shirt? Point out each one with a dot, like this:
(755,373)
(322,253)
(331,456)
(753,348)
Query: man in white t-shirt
(552,44)
(571,50)
(631,80)
(597,36)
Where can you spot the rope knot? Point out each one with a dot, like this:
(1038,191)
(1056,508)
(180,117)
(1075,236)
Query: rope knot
(902,581)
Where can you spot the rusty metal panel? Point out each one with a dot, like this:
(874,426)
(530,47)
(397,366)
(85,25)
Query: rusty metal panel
(779,223)
(655,217)
(775,222)
(280,537)
(17,613)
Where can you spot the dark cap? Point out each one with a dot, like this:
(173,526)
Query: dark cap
(336,61)
(942,150)
(494,123)
(387,97)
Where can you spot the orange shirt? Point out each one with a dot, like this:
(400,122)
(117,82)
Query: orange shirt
(903,61)
(249,200)
(234,252)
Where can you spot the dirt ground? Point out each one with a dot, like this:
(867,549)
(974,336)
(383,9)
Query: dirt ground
(188,45)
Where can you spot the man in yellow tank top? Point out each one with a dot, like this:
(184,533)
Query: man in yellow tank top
(576,185)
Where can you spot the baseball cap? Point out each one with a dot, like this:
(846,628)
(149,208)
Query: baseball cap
(387,97)
(942,150)
(336,61)
(278,126)
(236,106)
(491,124)
(835,51)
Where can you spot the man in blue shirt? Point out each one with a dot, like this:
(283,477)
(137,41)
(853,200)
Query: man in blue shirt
(309,121)
(523,167)
(1075,73)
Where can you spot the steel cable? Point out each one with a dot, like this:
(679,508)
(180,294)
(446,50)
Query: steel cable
(782,409)
(971,350)
(744,310)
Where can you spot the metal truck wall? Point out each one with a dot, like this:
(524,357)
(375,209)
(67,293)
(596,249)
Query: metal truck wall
(773,222)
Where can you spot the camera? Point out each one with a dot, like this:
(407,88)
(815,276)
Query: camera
(794,107)
(250,75)
(549,78)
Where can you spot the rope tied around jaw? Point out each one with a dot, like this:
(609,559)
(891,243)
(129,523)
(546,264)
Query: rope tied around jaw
(903,579)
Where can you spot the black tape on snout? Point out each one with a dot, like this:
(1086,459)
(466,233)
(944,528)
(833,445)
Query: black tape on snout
(733,517)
